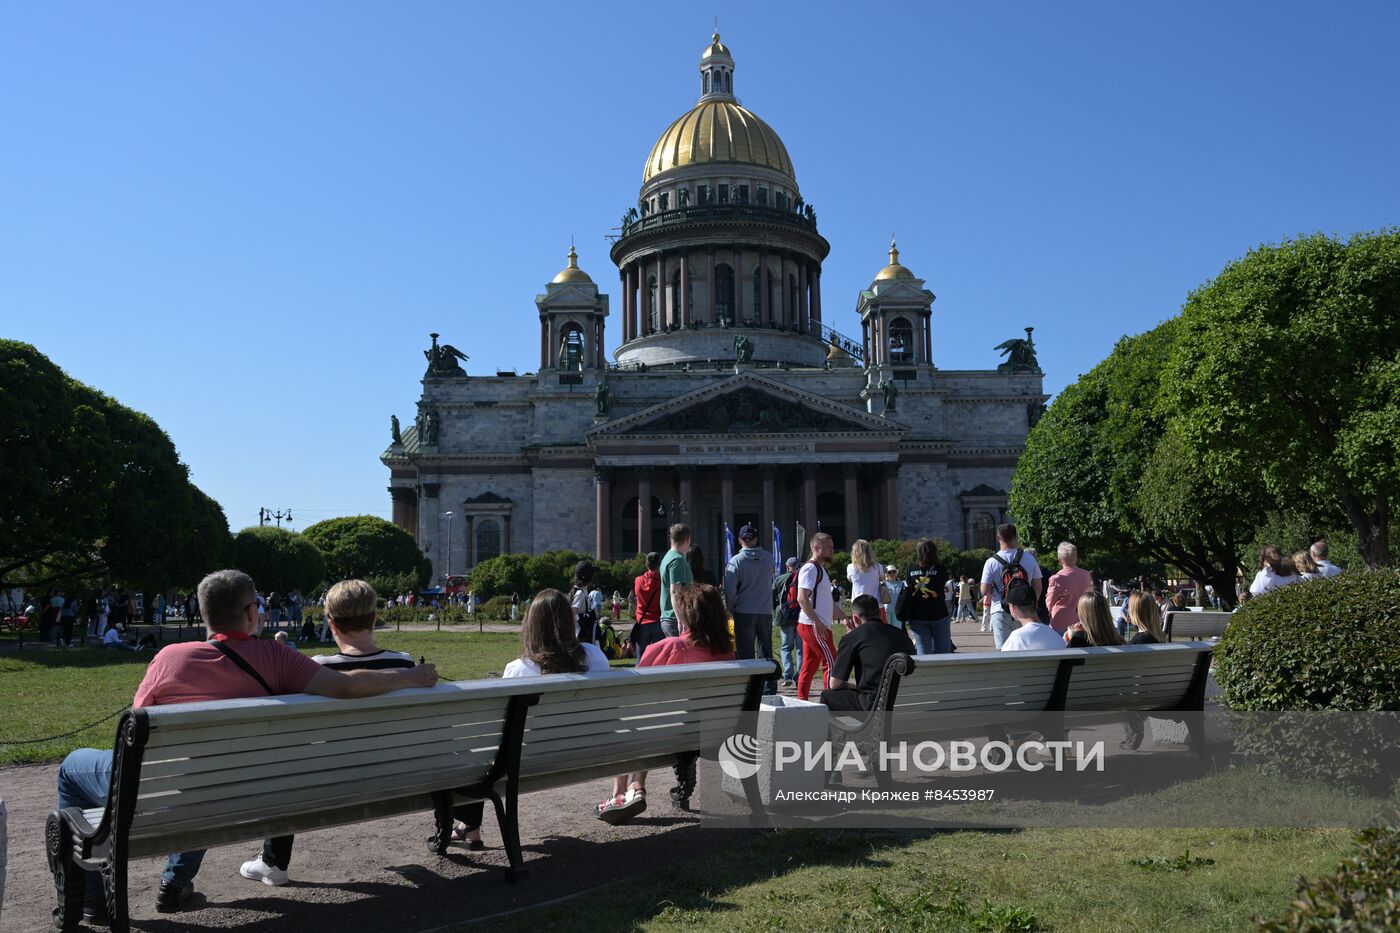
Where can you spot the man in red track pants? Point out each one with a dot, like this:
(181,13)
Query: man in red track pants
(819,613)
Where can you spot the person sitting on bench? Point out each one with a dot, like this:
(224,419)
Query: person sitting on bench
(351,608)
(232,665)
(864,651)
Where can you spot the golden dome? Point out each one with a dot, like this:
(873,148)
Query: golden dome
(716,48)
(571,272)
(718,131)
(894,270)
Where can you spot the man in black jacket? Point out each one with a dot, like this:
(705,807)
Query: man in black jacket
(863,652)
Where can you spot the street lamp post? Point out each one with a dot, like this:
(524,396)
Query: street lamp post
(448,574)
(267,515)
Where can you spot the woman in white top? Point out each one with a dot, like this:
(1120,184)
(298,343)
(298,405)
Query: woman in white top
(1275,571)
(862,571)
(548,645)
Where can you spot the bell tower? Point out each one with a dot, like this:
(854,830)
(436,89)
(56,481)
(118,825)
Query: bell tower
(572,317)
(896,314)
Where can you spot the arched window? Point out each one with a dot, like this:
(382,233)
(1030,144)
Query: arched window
(655,304)
(901,341)
(675,303)
(724,293)
(571,347)
(984,531)
(758,293)
(707,83)
(792,298)
(488,539)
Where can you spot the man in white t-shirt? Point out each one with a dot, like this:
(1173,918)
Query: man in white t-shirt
(819,612)
(1008,557)
(1033,634)
(1325,568)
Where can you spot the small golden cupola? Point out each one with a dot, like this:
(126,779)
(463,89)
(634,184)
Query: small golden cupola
(894,270)
(571,272)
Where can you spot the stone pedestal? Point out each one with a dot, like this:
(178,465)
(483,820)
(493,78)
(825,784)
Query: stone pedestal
(785,719)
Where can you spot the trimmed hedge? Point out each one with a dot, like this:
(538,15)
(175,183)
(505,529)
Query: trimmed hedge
(1322,653)
(1319,645)
(1362,896)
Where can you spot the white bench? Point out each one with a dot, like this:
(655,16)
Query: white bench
(950,694)
(1194,625)
(197,775)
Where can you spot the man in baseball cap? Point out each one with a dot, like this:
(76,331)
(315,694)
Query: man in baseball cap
(748,579)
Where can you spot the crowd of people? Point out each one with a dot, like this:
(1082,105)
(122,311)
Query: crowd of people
(682,615)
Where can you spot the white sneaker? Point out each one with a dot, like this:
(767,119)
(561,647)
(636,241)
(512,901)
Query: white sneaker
(258,870)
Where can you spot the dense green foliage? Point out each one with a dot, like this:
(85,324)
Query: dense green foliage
(92,491)
(278,560)
(1106,468)
(1329,644)
(1288,367)
(369,548)
(520,573)
(1304,664)
(1361,896)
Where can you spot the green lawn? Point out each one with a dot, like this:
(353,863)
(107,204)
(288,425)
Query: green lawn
(47,691)
(1033,880)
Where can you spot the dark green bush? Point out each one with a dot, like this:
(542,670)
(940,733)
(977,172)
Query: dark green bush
(1362,896)
(501,576)
(497,607)
(1309,668)
(1320,645)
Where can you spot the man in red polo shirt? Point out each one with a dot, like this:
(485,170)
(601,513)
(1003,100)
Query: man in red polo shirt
(233,664)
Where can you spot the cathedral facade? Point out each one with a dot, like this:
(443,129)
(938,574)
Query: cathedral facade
(728,400)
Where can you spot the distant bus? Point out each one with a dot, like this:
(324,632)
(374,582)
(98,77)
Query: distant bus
(456,583)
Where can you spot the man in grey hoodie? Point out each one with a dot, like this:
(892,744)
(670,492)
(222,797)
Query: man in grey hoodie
(748,582)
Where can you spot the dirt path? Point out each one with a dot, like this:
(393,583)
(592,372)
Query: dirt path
(376,876)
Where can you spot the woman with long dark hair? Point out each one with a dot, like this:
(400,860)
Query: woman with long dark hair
(704,637)
(921,605)
(548,645)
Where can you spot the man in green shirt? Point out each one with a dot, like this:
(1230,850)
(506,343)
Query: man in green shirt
(675,573)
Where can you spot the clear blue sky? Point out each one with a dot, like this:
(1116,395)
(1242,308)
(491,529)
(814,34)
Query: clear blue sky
(245,218)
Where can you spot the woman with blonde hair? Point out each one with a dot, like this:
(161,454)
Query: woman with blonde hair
(1307,567)
(1145,616)
(1095,628)
(862,571)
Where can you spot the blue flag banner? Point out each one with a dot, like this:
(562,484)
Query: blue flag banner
(777,549)
(728,544)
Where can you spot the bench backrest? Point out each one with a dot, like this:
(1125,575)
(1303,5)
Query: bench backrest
(1139,677)
(1009,682)
(626,719)
(1187,624)
(220,772)
(213,773)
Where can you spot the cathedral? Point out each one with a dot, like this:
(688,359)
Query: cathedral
(728,399)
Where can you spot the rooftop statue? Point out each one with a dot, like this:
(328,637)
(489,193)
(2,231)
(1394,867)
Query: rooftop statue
(394,429)
(743,349)
(889,392)
(444,360)
(600,399)
(1020,355)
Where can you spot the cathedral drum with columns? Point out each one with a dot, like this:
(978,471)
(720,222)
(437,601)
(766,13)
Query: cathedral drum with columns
(729,399)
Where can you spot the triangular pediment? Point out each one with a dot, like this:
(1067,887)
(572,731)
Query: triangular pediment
(748,404)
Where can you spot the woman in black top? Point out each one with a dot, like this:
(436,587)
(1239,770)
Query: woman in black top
(921,605)
(1095,627)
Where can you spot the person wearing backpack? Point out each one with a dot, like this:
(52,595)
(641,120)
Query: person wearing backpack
(819,611)
(921,603)
(785,618)
(584,571)
(1010,564)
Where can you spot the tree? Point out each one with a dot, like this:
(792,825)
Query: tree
(1288,368)
(84,484)
(1106,469)
(370,548)
(278,560)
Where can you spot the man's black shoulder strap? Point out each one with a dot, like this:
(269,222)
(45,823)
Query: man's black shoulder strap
(243,665)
